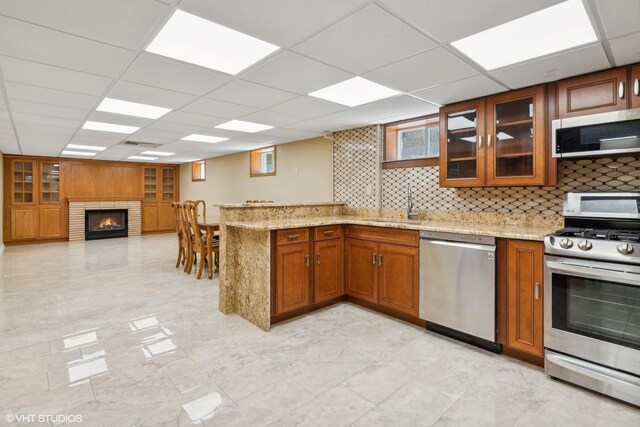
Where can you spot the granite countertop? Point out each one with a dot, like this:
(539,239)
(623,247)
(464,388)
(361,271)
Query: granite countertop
(274,205)
(511,231)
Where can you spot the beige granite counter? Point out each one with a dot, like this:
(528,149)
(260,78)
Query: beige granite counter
(274,205)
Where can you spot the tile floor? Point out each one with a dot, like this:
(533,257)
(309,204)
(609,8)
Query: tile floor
(111,331)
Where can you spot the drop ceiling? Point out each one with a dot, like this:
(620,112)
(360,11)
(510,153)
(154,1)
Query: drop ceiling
(59,60)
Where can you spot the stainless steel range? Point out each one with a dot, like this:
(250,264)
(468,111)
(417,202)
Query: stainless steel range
(592,295)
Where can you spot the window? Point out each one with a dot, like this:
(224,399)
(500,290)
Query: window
(198,170)
(262,162)
(411,143)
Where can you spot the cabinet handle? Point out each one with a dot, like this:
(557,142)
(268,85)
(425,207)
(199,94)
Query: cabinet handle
(374,259)
(479,141)
(293,236)
(318,258)
(489,140)
(306,260)
(327,232)
(621,90)
(536,291)
(636,87)
(379,260)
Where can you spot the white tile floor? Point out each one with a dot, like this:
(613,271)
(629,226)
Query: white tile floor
(111,331)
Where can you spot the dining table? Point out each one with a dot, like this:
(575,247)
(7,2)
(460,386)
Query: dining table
(209,226)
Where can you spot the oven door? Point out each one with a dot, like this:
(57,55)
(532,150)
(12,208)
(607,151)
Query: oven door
(592,311)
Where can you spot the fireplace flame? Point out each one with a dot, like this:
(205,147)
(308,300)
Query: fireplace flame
(108,223)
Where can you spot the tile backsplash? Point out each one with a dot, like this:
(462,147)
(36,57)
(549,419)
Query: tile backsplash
(357,166)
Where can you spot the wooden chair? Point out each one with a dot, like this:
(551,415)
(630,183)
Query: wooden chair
(183,242)
(199,242)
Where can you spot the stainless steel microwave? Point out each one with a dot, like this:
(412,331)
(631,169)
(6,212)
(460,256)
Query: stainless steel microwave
(617,132)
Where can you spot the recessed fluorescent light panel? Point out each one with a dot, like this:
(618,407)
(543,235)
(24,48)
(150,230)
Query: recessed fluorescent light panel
(157,153)
(86,147)
(242,126)
(117,106)
(142,158)
(109,127)
(77,153)
(556,28)
(354,92)
(203,138)
(192,39)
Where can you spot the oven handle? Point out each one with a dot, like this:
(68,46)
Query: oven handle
(595,272)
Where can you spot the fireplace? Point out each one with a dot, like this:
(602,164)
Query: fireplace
(105,224)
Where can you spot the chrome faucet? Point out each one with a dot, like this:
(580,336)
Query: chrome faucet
(410,213)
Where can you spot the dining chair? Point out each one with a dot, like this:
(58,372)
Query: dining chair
(199,242)
(183,246)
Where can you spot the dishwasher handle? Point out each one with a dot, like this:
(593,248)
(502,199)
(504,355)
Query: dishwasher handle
(461,245)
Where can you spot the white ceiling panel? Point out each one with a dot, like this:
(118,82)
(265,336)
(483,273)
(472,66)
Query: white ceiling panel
(178,128)
(403,106)
(291,133)
(461,90)
(41,149)
(251,94)
(432,68)
(119,152)
(118,119)
(182,146)
(193,119)
(272,118)
(334,121)
(50,96)
(282,22)
(9,146)
(212,107)
(626,50)
(447,21)
(21,106)
(32,73)
(295,73)
(99,138)
(619,17)
(368,39)
(155,136)
(46,120)
(166,73)
(29,126)
(254,138)
(149,95)
(308,107)
(556,67)
(121,23)
(31,42)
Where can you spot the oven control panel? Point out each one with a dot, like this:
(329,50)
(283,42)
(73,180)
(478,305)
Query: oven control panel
(579,247)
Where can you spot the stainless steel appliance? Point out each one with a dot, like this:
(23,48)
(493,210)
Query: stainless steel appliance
(597,134)
(457,286)
(592,295)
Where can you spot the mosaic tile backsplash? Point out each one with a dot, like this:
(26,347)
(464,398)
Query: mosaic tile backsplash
(604,174)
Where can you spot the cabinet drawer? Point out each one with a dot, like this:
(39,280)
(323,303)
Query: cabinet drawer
(327,232)
(384,235)
(292,235)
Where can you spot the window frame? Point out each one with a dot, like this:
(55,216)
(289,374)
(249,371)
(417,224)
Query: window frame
(203,169)
(255,161)
(390,142)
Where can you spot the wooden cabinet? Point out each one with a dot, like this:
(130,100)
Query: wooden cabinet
(24,224)
(595,93)
(361,265)
(328,274)
(159,191)
(522,305)
(52,222)
(634,87)
(398,281)
(292,277)
(494,141)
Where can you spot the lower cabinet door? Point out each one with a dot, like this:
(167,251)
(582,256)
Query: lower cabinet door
(399,277)
(150,217)
(524,296)
(51,222)
(327,270)
(166,221)
(292,277)
(362,269)
(24,223)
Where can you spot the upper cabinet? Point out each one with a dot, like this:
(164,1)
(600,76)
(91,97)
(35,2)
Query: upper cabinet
(494,141)
(634,87)
(22,183)
(595,93)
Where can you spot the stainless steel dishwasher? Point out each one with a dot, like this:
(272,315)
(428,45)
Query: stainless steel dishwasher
(458,286)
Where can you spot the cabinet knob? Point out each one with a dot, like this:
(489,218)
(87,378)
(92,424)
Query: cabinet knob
(379,260)
(479,141)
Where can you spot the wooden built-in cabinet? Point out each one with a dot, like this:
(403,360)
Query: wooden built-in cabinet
(328,270)
(159,190)
(520,298)
(594,93)
(293,274)
(361,265)
(495,141)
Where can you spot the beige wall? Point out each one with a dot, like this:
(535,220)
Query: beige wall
(1,200)
(303,174)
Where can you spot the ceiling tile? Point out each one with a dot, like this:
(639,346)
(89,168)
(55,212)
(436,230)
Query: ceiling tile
(308,107)
(295,73)
(9,146)
(167,73)
(33,43)
(50,96)
(397,106)
(432,68)
(461,90)
(179,128)
(149,95)
(271,118)
(449,21)
(368,39)
(620,18)
(626,50)
(119,119)
(251,94)
(18,105)
(218,108)
(349,118)
(291,133)
(121,23)
(282,22)
(193,119)
(182,146)
(89,137)
(46,120)
(155,136)
(556,67)
(32,73)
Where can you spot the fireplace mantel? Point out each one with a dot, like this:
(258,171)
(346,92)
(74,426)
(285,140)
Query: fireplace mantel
(103,199)
(78,206)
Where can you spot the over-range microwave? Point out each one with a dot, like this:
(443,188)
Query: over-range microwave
(603,134)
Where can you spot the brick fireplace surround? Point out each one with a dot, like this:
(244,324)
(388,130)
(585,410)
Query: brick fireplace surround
(77,209)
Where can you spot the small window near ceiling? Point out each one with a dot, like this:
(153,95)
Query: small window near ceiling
(411,143)
(199,170)
(262,162)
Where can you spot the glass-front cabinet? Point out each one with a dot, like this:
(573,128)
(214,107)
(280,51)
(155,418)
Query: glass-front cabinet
(150,184)
(23,177)
(49,182)
(168,184)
